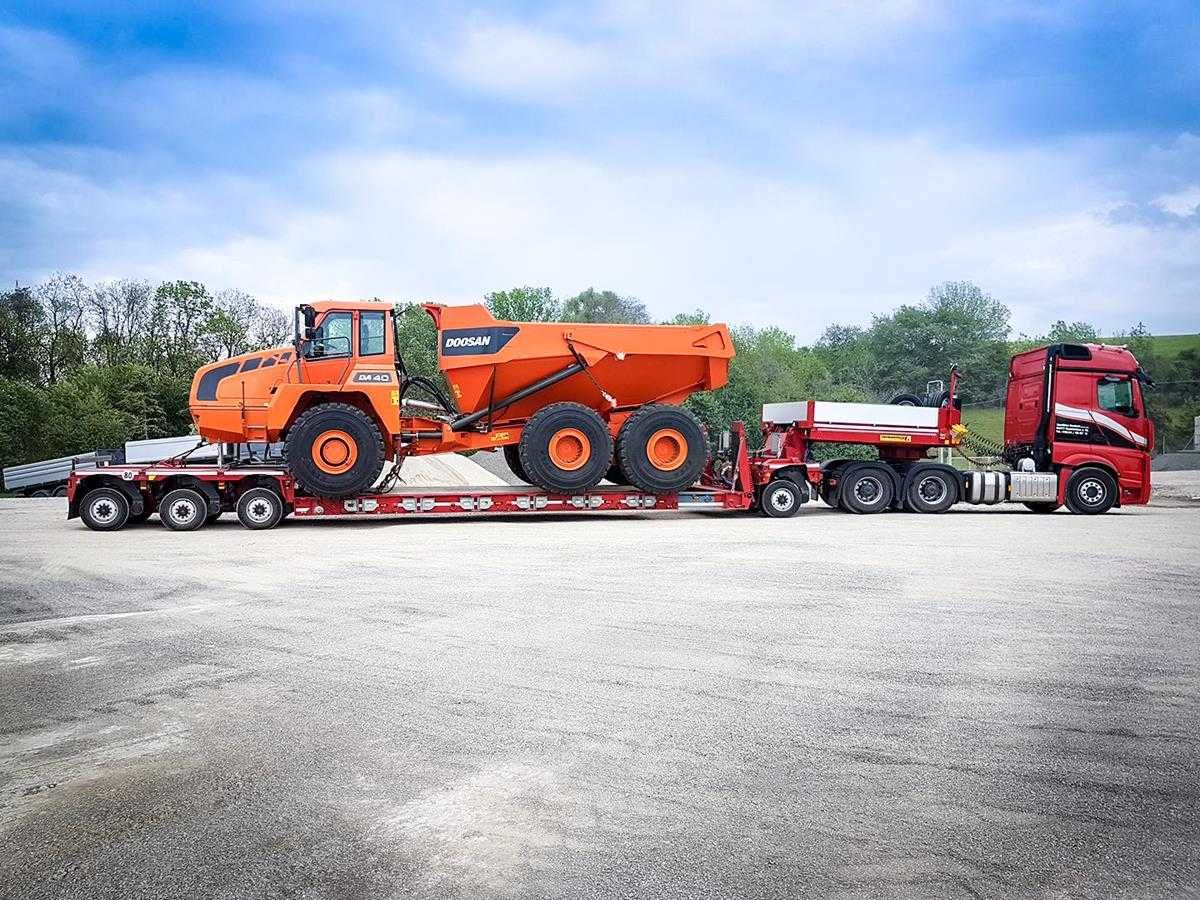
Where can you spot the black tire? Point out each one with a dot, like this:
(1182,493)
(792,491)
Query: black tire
(930,490)
(337,426)
(865,489)
(907,400)
(512,457)
(565,447)
(780,499)
(1091,491)
(60,491)
(673,427)
(104,509)
(40,494)
(1041,507)
(260,508)
(183,509)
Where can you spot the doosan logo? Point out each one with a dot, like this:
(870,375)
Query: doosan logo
(477,340)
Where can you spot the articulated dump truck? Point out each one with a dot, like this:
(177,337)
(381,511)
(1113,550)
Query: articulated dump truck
(570,403)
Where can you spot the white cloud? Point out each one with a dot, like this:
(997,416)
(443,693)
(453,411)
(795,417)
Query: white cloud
(860,225)
(1181,203)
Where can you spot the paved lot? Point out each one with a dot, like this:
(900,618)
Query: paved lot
(986,703)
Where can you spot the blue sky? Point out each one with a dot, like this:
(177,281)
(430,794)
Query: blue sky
(777,163)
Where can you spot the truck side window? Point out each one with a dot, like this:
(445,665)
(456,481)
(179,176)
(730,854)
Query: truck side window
(370,334)
(332,337)
(1116,396)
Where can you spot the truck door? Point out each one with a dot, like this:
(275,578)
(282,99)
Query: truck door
(328,356)
(1105,411)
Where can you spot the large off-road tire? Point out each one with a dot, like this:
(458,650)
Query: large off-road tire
(662,449)
(565,447)
(930,490)
(260,508)
(1091,491)
(865,489)
(104,509)
(183,509)
(512,458)
(335,450)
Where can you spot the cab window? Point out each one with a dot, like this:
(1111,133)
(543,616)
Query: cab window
(1116,395)
(370,333)
(332,336)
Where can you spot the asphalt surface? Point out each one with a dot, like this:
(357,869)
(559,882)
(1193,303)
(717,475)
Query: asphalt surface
(986,703)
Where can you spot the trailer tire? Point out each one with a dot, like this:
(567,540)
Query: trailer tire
(104,509)
(907,400)
(183,509)
(780,499)
(335,450)
(39,494)
(662,449)
(60,491)
(1091,491)
(260,508)
(565,447)
(930,490)
(512,457)
(865,489)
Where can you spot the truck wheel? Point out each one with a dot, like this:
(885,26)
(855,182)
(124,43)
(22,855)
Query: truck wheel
(565,447)
(662,449)
(512,456)
(260,508)
(104,509)
(1091,491)
(865,489)
(931,491)
(780,499)
(183,509)
(335,450)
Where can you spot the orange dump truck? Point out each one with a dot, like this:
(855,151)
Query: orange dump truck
(570,403)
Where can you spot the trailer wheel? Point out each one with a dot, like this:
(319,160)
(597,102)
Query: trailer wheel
(104,509)
(565,447)
(60,491)
(39,494)
(260,508)
(931,491)
(662,449)
(780,499)
(183,509)
(1091,491)
(865,489)
(512,457)
(907,400)
(335,450)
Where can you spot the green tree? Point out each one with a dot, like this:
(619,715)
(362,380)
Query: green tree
(22,326)
(416,338)
(524,304)
(1072,333)
(64,300)
(604,306)
(23,414)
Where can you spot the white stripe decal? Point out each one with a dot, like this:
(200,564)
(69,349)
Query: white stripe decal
(1087,415)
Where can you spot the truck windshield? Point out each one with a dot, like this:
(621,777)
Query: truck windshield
(1116,396)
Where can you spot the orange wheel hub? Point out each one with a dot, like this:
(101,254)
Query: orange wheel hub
(570,449)
(667,449)
(334,452)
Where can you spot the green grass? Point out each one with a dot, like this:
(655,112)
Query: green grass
(987,422)
(1167,346)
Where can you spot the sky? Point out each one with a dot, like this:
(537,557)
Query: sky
(790,164)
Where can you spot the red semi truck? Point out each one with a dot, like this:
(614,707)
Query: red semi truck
(1076,433)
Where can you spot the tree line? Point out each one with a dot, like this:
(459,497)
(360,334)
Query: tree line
(93,365)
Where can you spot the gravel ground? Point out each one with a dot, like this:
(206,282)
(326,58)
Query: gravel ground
(985,703)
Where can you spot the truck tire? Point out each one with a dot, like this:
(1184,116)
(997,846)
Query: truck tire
(661,449)
(335,450)
(780,499)
(260,508)
(104,509)
(930,490)
(183,509)
(1091,491)
(865,489)
(512,457)
(565,447)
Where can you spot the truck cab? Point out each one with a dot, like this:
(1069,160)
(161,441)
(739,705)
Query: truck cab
(1072,407)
